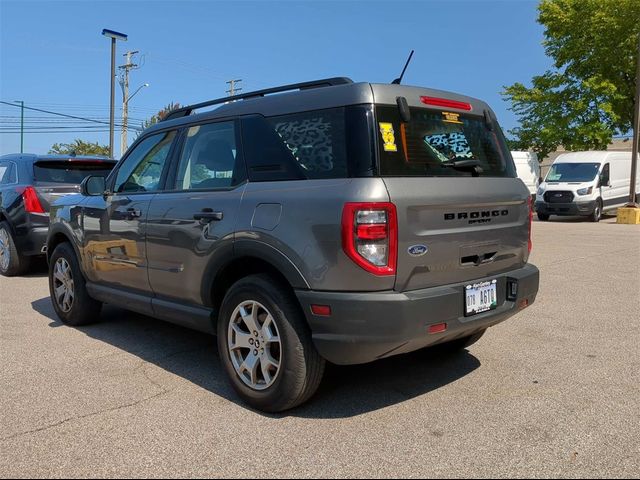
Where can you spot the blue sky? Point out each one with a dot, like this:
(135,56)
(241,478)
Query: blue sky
(53,57)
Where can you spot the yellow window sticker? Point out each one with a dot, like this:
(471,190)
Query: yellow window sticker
(451,117)
(388,137)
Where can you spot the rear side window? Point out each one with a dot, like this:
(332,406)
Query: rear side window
(68,171)
(319,144)
(7,173)
(209,159)
(432,140)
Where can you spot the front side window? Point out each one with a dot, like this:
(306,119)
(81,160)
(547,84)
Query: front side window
(433,141)
(209,159)
(142,170)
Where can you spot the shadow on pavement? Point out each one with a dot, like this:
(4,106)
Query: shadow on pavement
(345,391)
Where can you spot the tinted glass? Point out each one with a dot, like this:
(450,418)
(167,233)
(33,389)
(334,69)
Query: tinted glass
(432,139)
(331,143)
(209,158)
(68,172)
(4,173)
(572,172)
(142,170)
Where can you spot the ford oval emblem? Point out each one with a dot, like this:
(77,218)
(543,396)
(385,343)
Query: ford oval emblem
(417,250)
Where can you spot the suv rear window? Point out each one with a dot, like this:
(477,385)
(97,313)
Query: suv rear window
(71,172)
(434,138)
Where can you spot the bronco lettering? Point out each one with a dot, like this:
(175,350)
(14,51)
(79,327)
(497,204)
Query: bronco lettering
(476,215)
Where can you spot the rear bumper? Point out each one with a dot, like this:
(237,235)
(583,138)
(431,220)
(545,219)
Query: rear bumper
(364,327)
(31,236)
(574,208)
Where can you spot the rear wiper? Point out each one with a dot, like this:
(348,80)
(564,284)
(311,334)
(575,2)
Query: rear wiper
(472,166)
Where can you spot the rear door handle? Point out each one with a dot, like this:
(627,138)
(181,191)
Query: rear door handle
(207,217)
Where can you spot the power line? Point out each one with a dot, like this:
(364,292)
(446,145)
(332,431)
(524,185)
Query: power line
(57,113)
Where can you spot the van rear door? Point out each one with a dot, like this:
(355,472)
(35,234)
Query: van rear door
(462,213)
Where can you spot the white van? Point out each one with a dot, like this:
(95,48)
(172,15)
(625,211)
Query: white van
(585,183)
(528,169)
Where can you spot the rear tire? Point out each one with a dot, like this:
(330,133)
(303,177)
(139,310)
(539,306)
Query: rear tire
(597,212)
(12,262)
(543,217)
(462,343)
(68,289)
(265,345)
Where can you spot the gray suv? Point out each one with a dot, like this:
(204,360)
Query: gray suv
(322,221)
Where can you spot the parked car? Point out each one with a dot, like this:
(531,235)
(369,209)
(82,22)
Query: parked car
(528,169)
(28,185)
(586,184)
(336,221)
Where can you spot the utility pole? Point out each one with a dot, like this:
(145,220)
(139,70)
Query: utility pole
(21,125)
(233,90)
(113,35)
(124,83)
(636,133)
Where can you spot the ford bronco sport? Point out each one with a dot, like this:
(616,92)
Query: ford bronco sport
(323,221)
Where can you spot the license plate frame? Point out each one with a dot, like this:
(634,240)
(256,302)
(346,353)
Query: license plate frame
(480,297)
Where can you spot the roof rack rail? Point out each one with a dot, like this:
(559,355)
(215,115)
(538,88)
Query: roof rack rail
(326,82)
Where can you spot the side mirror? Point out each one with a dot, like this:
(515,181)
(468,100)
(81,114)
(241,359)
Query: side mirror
(604,181)
(93,186)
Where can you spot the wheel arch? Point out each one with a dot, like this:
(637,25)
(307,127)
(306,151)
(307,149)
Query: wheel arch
(250,258)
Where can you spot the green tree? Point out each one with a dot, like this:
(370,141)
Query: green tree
(161,115)
(588,96)
(80,147)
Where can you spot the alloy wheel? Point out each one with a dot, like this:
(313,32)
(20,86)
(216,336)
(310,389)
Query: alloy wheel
(254,345)
(63,285)
(5,253)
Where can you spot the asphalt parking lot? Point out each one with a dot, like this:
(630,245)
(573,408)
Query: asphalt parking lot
(554,391)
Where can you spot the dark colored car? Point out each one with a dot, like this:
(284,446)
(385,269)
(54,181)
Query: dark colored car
(325,221)
(28,185)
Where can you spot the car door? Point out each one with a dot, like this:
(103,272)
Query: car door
(114,225)
(192,226)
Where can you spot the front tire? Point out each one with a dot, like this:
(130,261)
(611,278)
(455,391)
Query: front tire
(12,263)
(597,212)
(265,345)
(68,289)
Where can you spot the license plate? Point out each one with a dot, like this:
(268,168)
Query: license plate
(481,297)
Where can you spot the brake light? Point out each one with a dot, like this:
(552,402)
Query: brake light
(530,222)
(31,201)
(443,102)
(370,236)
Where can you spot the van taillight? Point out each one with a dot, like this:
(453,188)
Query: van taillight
(370,236)
(530,222)
(31,201)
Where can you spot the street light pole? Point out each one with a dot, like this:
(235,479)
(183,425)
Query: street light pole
(114,36)
(113,93)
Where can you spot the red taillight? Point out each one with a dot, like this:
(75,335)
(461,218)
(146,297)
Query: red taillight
(321,310)
(443,102)
(31,201)
(437,328)
(370,236)
(530,222)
